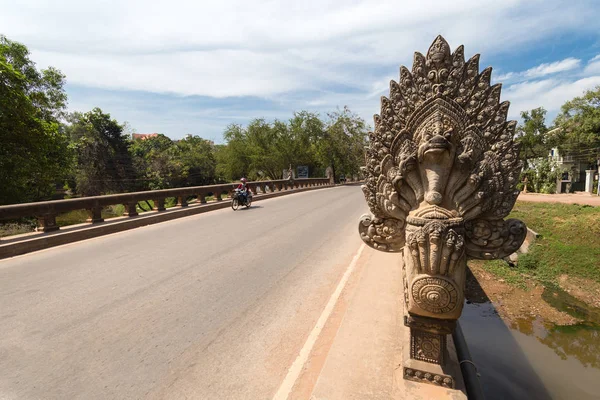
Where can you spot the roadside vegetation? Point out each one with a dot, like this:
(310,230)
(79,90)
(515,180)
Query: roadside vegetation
(567,253)
(48,151)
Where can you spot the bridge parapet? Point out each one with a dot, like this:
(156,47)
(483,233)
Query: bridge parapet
(47,211)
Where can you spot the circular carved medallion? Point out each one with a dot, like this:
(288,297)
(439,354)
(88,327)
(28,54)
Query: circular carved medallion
(435,294)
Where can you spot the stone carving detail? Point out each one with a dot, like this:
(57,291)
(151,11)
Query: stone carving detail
(441,173)
(427,377)
(382,234)
(428,347)
(435,294)
(442,140)
(491,239)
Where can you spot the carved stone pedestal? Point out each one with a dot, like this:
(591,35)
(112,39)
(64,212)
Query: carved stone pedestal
(429,355)
(426,357)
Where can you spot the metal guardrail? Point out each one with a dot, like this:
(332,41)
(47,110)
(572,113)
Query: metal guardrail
(46,211)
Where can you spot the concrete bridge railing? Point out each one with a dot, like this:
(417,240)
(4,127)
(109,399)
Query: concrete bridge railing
(46,211)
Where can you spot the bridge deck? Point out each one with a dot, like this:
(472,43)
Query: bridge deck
(212,306)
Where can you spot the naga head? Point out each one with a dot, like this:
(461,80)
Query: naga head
(436,141)
(442,147)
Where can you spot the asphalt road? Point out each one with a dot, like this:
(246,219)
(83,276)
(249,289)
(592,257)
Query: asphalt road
(213,306)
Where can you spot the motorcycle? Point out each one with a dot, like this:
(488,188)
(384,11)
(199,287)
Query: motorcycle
(239,199)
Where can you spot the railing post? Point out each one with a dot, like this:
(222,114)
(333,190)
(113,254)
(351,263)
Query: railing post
(159,205)
(130,209)
(182,201)
(202,198)
(47,223)
(95,215)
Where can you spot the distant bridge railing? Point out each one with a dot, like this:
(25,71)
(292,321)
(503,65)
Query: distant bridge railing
(46,211)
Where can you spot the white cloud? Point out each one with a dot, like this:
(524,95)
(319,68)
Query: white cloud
(593,66)
(567,64)
(552,68)
(549,93)
(341,52)
(571,79)
(264,48)
(505,77)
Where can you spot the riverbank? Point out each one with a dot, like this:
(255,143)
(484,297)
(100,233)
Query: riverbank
(542,315)
(564,259)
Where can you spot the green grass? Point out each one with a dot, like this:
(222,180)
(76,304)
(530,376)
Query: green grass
(26,225)
(80,216)
(502,270)
(569,242)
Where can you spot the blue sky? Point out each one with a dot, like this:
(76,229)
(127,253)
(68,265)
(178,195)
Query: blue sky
(197,66)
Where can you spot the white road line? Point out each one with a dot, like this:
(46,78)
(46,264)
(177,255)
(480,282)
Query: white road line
(294,372)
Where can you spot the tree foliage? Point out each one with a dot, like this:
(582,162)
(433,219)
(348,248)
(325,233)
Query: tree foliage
(42,147)
(104,164)
(162,163)
(532,134)
(264,150)
(541,175)
(343,143)
(34,152)
(579,123)
(198,160)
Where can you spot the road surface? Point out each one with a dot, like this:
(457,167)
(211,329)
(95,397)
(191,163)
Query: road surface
(566,198)
(213,306)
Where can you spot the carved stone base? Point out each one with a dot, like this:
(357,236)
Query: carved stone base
(427,346)
(427,375)
(446,375)
(429,355)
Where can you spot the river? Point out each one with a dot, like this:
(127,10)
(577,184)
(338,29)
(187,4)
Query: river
(528,359)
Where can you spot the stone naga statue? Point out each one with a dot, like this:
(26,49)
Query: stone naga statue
(442,167)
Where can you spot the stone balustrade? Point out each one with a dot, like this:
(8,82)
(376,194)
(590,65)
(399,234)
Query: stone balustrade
(47,211)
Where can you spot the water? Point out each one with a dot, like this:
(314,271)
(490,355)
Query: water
(532,360)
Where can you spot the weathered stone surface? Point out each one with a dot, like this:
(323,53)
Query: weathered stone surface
(442,168)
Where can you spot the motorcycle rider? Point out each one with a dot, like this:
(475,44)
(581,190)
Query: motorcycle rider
(244,189)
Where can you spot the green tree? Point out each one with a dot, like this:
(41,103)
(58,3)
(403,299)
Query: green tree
(265,150)
(157,163)
(342,145)
(233,160)
(305,132)
(198,161)
(34,151)
(104,164)
(532,134)
(579,126)
(541,175)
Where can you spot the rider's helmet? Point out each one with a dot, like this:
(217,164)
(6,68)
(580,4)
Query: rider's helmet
(243,180)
